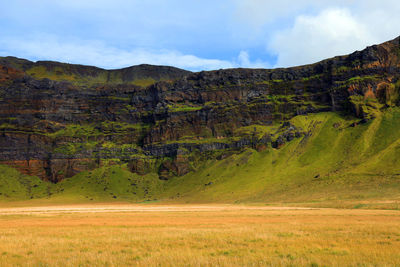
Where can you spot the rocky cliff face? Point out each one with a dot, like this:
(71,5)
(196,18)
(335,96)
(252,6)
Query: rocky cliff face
(59,119)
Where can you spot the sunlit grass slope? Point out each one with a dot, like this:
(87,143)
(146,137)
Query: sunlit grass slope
(335,161)
(16,186)
(109,183)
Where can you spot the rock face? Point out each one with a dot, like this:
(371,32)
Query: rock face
(57,119)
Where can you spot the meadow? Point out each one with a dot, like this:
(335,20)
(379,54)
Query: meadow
(197,235)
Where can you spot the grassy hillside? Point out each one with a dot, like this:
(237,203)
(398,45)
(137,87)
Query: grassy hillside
(337,161)
(333,162)
(16,186)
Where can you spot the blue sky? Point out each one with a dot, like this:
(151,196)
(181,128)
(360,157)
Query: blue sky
(193,34)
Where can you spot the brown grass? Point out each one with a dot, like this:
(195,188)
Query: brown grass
(123,235)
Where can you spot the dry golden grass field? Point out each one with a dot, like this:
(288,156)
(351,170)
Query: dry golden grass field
(197,235)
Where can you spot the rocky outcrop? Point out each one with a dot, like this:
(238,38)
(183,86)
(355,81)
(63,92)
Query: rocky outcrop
(59,119)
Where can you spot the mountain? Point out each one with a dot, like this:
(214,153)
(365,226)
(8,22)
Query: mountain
(141,75)
(323,131)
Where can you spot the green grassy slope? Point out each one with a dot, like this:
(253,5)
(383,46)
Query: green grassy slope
(108,183)
(16,186)
(334,162)
(111,183)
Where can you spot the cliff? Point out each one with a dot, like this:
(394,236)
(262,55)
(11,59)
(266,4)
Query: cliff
(57,120)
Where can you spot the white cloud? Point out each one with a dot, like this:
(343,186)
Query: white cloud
(312,38)
(96,53)
(244,61)
(244,58)
(305,31)
(381,18)
(260,12)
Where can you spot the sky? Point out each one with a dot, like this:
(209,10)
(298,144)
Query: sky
(193,34)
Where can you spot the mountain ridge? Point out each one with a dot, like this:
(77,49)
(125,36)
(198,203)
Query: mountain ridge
(91,74)
(8,60)
(170,125)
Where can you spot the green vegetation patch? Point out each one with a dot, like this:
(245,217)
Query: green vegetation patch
(116,126)
(144,82)
(343,69)
(58,74)
(255,130)
(71,149)
(183,108)
(364,78)
(76,130)
(313,77)
(367,108)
